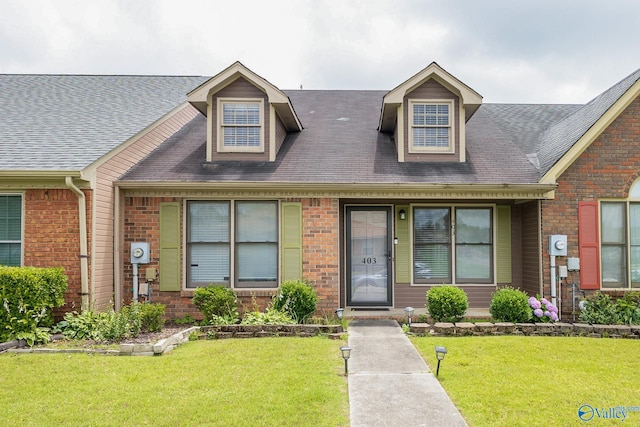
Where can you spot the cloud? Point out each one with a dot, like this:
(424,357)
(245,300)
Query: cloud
(509,51)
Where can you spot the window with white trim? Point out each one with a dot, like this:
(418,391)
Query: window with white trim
(232,243)
(431,126)
(453,245)
(620,244)
(241,125)
(10,229)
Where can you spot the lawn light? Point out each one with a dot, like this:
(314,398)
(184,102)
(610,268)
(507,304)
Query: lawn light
(340,313)
(440,353)
(346,353)
(409,312)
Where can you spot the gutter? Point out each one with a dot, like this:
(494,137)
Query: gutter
(84,257)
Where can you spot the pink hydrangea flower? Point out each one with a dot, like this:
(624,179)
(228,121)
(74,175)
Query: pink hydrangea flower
(554,316)
(534,303)
(544,301)
(538,313)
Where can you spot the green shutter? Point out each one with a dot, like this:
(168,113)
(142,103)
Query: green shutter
(291,240)
(503,244)
(403,248)
(169,246)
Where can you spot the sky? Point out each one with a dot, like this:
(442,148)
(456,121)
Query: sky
(509,51)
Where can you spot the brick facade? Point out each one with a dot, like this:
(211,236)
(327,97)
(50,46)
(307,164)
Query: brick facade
(320,255)
(606,169)
(321,250)
(52,236)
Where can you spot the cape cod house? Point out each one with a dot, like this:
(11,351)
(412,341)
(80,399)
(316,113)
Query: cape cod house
(374,196)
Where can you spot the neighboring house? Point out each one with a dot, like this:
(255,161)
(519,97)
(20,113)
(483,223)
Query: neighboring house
(374,196)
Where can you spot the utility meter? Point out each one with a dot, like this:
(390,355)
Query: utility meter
(140,253)
(558,245)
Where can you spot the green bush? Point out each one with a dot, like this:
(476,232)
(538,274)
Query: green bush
(599,309)
(27,298)
(297,298)
(216,302)
(117,325)
(628,309)
(151,317)
(271,317)
(112,325)
(510,305)
(80,326)
(447,303)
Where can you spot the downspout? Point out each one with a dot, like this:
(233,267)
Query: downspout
(84,257)
(117,269)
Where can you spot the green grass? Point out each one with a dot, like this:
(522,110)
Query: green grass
(527,381)
(260,382)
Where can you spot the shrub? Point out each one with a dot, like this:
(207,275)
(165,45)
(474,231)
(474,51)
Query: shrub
(216,301)
(297,298)
(447,303)
(109,325)
(628,309)
(510,305)
(270,317)
(80,326)
(151,317)
(599,309)
(27,297)
(117,325)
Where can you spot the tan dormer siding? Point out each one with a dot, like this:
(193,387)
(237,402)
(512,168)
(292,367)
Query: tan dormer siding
(238,90)
(431,90)
(281,132)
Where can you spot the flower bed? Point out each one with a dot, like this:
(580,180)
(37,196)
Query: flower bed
(533,329)
(139,348)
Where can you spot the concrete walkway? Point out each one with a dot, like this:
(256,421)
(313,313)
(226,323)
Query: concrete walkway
(390,384)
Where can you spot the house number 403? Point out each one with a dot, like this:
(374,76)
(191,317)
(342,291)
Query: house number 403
(369,260)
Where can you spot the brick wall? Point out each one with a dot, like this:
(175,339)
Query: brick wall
(320,255)
(142,224)
(52,236)
(605,170)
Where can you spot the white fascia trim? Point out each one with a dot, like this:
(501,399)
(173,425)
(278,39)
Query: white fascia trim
(90,171)
(590,135)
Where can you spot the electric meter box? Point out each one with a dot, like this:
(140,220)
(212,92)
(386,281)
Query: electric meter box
(573,264)
(558,245)
(139,253)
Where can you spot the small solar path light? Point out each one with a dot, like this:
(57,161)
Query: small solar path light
(409,312)
(440,353)
(346,353)
(340,313)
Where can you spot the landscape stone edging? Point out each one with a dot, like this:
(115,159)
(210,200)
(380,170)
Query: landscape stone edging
(167,344)
(529,329)
(260,331)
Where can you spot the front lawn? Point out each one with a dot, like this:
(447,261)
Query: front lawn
(266,381)
(526,381)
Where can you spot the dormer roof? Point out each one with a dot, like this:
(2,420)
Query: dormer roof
(470,99)
(278,99)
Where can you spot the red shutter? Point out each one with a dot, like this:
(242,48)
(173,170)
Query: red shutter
(589,245)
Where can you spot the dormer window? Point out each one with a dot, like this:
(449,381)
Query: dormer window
(427,115)
(241,125)
(431,126)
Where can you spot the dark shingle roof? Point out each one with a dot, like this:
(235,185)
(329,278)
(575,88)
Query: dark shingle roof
(66,122)
(340,143)
(63,122)
(561,136)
